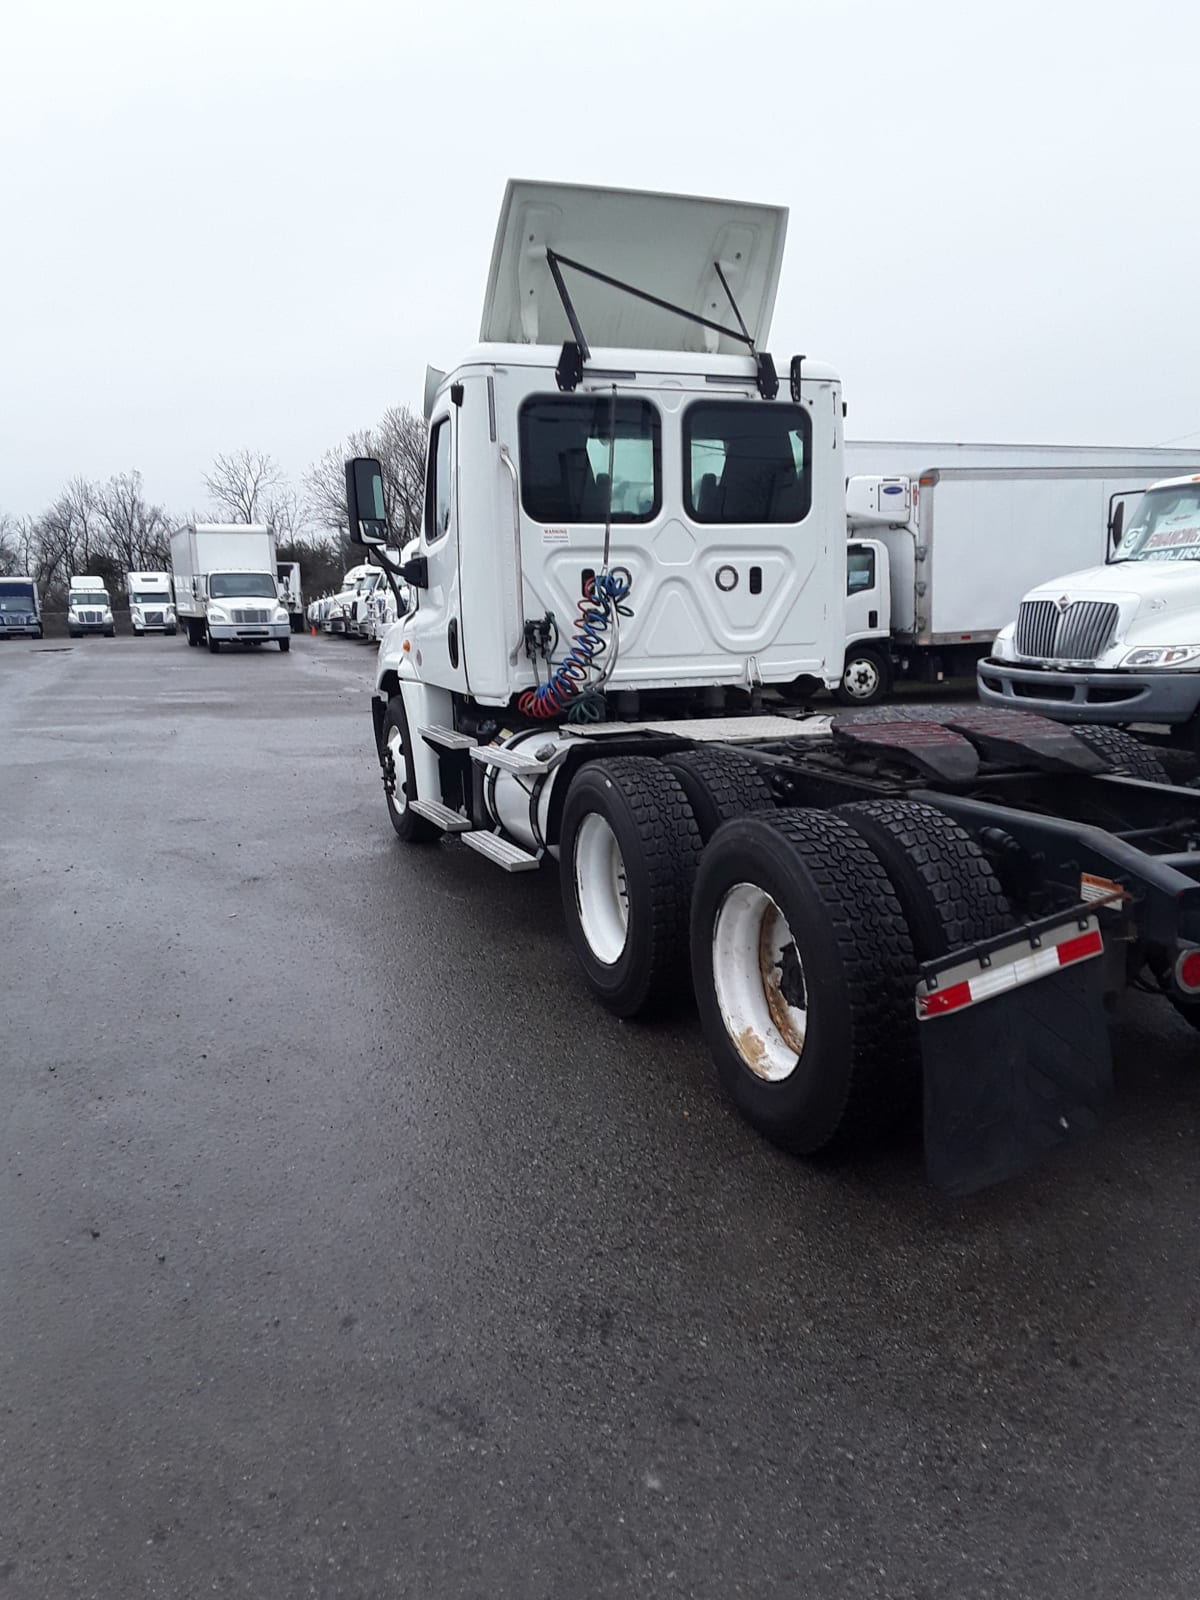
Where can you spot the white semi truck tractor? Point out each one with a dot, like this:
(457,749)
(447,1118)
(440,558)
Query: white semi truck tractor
(89,609)
(151,604)
(1117,644)
(632,529)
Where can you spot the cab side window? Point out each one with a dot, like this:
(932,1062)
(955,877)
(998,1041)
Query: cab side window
(438,483)
(860,568)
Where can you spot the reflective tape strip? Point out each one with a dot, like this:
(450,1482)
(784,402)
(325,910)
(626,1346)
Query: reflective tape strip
(1004,975)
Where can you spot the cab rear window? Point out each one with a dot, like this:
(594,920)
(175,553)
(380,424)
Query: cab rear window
(573,459)
(747,462)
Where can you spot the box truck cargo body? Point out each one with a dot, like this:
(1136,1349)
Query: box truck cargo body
(226,591)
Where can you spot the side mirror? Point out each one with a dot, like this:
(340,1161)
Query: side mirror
(364,502)
(1117,526)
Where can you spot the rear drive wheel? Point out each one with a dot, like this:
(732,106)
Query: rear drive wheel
(1127,757)
(804,974)
(720,785)
(945,884)
(400,778)
(866,677)
(627,860)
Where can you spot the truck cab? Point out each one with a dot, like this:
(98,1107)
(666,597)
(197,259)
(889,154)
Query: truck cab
(89,609)
(151,604)
(287,574)
(1118,643)
(20,608)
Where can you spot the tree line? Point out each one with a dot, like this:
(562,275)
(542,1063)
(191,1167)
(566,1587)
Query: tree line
(106,529)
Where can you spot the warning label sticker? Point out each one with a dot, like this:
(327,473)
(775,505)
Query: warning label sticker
(1093,888)
(563,536)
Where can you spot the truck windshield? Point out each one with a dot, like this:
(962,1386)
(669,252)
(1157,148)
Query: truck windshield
(240,585)
(147,597)
(1165,526)
(88,597)
(16,596)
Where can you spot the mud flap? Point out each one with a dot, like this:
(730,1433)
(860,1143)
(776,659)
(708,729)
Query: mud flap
(1015,1052)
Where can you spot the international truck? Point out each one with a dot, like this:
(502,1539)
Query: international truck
(89,609)
(287,574)
(1117,643)
(940,556)
(226,591)
(20,608)
(151,604)
(635,524)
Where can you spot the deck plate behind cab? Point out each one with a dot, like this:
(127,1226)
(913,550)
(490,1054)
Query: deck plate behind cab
(949,741)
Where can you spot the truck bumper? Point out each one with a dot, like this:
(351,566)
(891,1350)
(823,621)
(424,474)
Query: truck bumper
(23,630)
(233,632)
(1090,696)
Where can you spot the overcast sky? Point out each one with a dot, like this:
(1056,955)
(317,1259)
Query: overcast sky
(235,223)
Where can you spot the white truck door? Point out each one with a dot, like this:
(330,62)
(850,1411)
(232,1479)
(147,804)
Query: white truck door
(868,591)
(436,630)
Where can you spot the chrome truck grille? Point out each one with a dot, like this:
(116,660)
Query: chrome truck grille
(1081,632)
(91,616)
(154,619)
(249,619)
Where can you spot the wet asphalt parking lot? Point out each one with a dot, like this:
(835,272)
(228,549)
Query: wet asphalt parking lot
(347,1249)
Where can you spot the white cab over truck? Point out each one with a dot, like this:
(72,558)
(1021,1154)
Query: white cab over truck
(1118,643)
(20,608)
(89,609)
(151,605)
(631,529)
(226,591)
(287,574)
(940,557)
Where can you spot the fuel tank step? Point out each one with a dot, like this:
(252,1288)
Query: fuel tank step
(448,738)
(509,856)
(441,816)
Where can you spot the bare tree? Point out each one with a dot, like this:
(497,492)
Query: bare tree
(284,512)
(399,442)
(10,550)
(137,533)
(242,484)
(69,533)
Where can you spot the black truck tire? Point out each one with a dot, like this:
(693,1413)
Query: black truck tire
(396,748)
(1128,757)
(823,1056)
(720,785)
(214,645)
(945,884)
(628,851)
(284,646)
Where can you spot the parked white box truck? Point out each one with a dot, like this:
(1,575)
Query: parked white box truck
(20,608)
(226,590)
(151,608)
(940,556)
(288,575)
(89,609)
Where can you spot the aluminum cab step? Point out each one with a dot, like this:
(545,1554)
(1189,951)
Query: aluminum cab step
(509,856)
(441,816)
(448,738)
(495,755)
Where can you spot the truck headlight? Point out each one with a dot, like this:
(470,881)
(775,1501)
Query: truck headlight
(215,614)
(281,614)
(1174,655)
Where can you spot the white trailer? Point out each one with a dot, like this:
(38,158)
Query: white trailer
(89,609)
(939,557)
(151,607)
(226,590)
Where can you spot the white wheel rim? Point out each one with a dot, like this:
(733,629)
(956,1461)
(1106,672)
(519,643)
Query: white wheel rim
(395,746)
(601,892)
(861,678)
(754,960)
